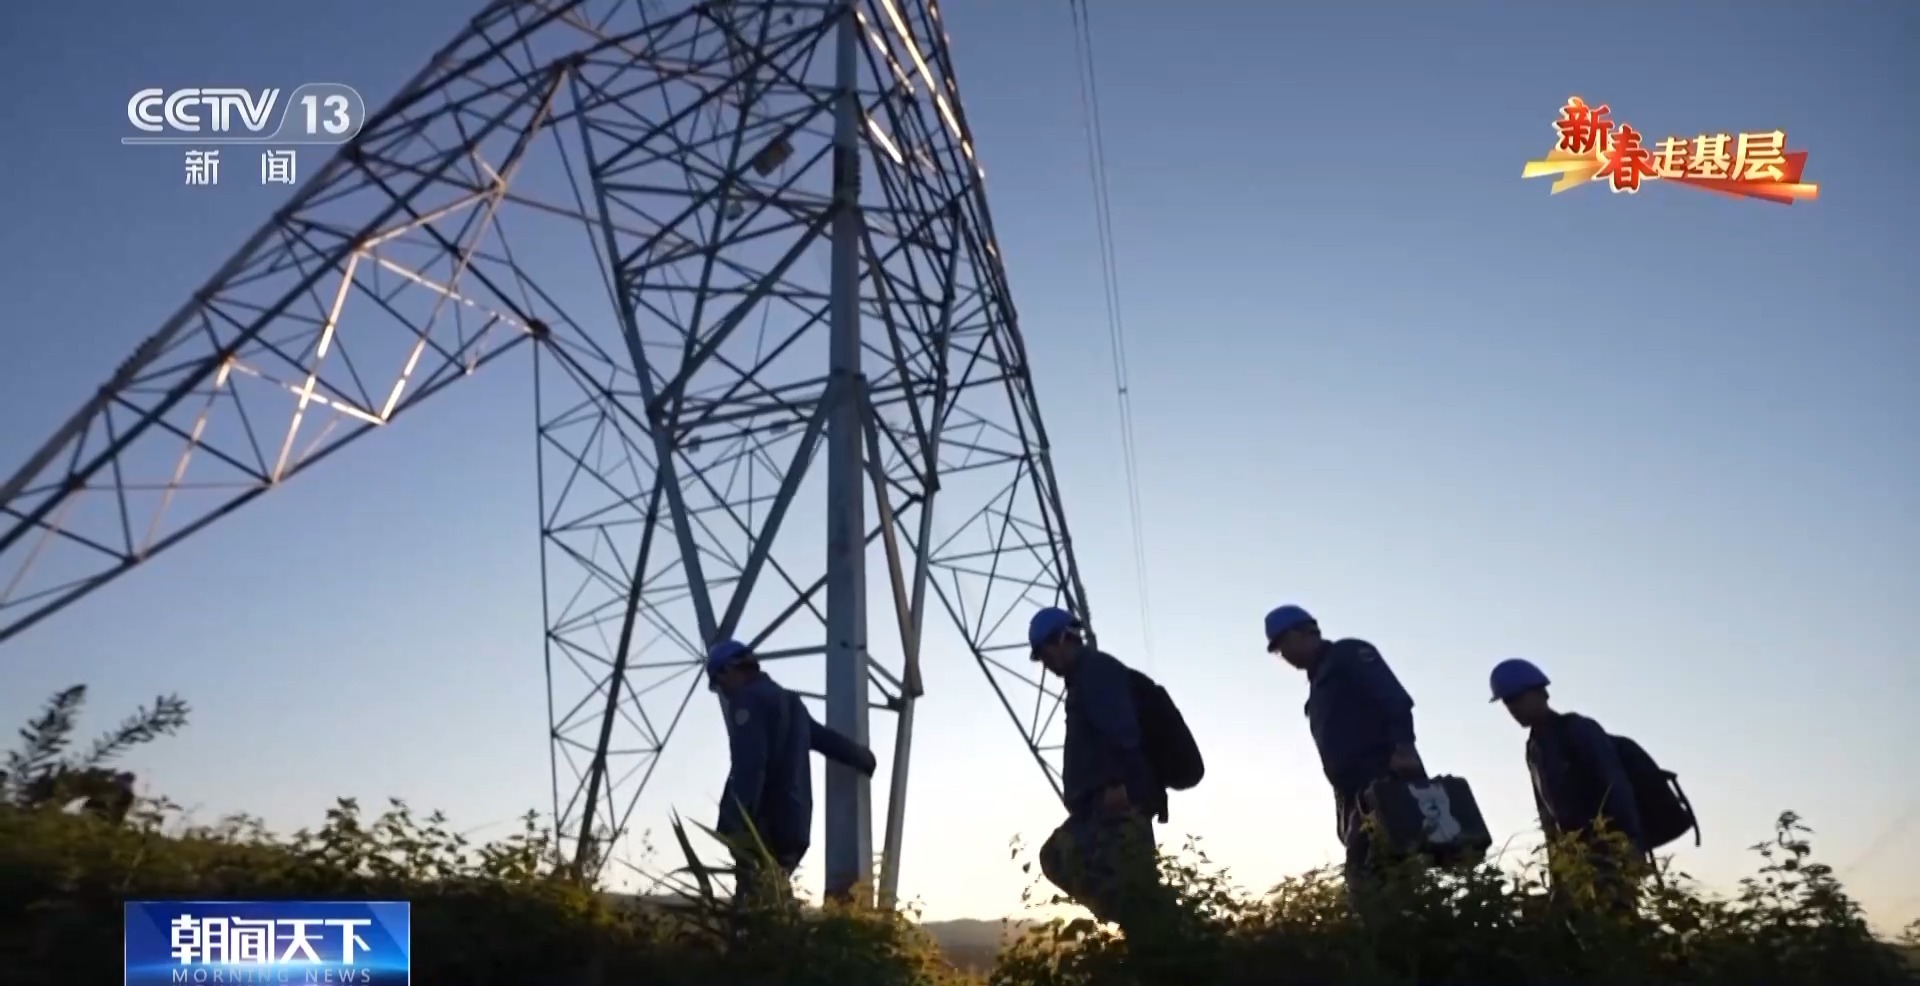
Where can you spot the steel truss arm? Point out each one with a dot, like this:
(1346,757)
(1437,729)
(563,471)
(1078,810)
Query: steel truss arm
(382,282)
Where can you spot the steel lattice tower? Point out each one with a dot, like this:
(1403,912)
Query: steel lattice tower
(789,303)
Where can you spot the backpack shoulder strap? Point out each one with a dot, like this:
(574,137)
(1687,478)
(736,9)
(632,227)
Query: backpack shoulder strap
(1576,755)
(1561,727)
(1685,805)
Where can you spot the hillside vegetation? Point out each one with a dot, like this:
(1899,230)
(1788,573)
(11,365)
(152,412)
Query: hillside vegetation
(503,913)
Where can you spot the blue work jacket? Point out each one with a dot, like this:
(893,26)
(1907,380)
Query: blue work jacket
(1578,777)
(770,735)
(1358,712)
(1103,742)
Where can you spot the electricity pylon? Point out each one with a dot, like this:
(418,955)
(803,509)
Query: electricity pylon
(748,246)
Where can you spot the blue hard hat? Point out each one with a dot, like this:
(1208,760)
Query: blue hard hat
(1047,624)
(1514,676)
(724,653)
(1284,618)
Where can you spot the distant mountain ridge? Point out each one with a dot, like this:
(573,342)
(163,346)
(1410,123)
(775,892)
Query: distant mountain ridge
(969,943)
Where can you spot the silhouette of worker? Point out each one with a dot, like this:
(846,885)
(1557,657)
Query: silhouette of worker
(1362,724)
(769,792)
(1112,794)
(1579,781)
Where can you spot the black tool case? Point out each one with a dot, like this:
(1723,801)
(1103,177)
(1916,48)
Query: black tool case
(1437,818)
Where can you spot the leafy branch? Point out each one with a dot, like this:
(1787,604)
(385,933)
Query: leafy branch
(42,772)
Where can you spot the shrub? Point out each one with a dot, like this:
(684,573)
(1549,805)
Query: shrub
(1791,923)
(507,912)
(498,913)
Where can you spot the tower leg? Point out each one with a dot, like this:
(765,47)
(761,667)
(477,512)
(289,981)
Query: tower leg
(849,815)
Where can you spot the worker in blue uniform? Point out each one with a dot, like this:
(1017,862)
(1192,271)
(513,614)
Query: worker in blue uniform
(1107,781)
(1362,724)
(1578,778)
(770,735)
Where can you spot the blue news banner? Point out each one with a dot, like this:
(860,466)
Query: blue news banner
(236,943)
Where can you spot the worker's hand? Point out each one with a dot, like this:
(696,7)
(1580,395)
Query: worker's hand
(1114,801)
(1405,763)
(868,763)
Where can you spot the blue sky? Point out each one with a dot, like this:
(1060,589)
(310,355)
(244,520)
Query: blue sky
(1664,445)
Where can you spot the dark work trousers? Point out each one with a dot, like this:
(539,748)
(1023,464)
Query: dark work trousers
(1112,869)
(754,885)
(1360,872)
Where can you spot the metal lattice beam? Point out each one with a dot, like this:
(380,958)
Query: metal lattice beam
(750,246)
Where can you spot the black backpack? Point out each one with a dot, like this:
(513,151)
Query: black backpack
(1165,739)
(1665,812)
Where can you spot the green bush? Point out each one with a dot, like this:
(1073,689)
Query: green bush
(1790,923)
(498,913)
(506,912)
